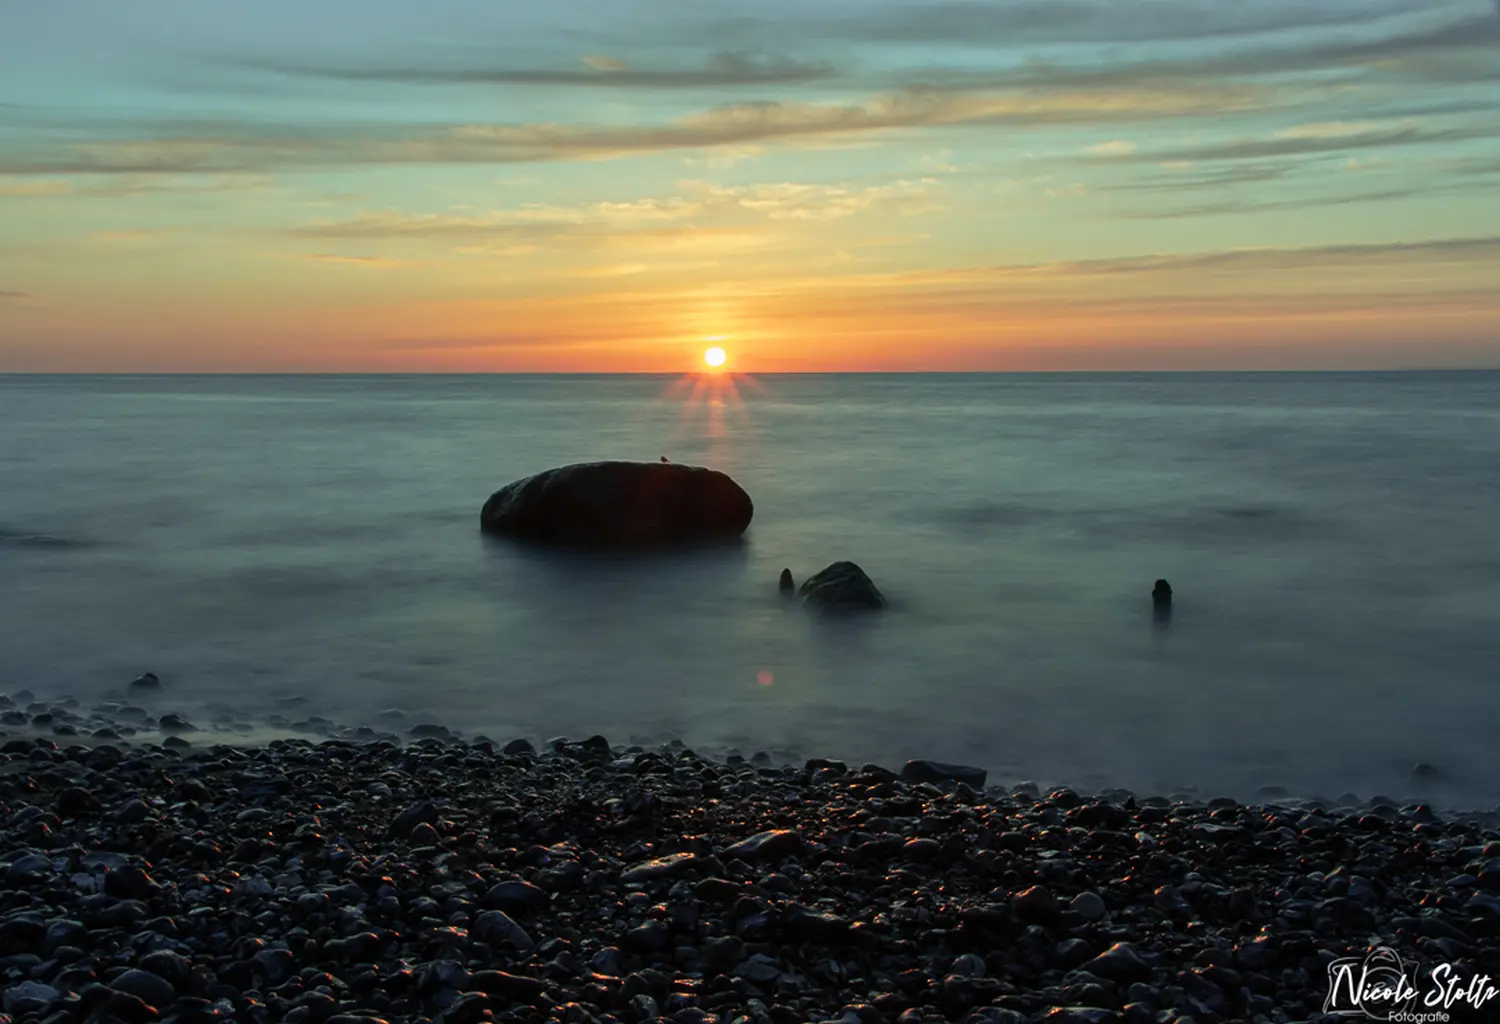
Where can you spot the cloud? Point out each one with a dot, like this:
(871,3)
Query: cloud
(975,23)
(129,236)
(1181,272)
(367,262)
(794,201)
(1118,147)
(126,186)
(36,189)
(1479,250)
(1232,207)
(259,148)
(720,70)
(1313,139)
(12,296)
(1397,44)
(636,220)
(1184,177)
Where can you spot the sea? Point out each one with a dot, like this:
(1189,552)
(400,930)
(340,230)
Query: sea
(267,542)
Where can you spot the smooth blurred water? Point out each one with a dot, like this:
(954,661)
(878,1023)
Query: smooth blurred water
(1331,539)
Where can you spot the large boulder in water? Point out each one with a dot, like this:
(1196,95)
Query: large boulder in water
(620,504)
(841,586)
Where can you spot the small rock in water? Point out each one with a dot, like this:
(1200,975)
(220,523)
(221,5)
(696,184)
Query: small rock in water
(1161,603)
(787,583)
(147,683)
(938,771)
(176,723)
(839,587)
(1425,774)
(520,746)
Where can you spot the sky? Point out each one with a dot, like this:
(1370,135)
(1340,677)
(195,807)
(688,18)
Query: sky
(858,185)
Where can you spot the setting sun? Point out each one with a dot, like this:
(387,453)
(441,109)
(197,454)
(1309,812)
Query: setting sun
(715,357)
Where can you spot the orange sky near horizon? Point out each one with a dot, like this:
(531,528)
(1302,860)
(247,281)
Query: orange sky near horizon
(1188,185)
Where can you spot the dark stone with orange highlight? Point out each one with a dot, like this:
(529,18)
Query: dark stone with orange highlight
(773,845)
(620,505)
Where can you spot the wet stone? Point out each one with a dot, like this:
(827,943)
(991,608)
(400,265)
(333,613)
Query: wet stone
(770,845)
(362,879)
(939,771)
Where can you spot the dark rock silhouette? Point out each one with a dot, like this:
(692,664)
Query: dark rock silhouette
(664,458)
(620,505)
(1425,774)
(787,583)
(841,586)
(146,683)
(939,771)
(1161,603)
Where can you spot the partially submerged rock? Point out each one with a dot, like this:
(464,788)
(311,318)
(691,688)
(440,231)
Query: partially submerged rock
(841,586)
(620,504)
(147,683)
(787,584)
(939,771)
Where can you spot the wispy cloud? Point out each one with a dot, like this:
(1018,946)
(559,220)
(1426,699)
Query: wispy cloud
(797,201)
(1389,48)
(36,189)
(124,186)
(1312,139)
(641,219)
(12,296)
(127,236)
(720,70)
(973,23)
(1230,207)
(1185,177)
(365,262)
(1456,250)
(251,148)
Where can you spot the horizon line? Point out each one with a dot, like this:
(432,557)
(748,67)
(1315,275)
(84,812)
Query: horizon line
(767,373)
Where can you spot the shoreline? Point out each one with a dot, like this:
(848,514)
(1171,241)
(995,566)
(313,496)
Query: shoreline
(132,719)
(333,881)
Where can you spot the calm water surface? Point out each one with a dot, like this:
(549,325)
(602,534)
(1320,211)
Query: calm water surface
(1331,539)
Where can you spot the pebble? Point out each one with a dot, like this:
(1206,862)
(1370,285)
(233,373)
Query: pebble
(938,771)
(360,881)
(774,844)
(1089,906)
(146,986)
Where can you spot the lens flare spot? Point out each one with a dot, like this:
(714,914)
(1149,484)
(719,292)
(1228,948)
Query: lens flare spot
(764,677)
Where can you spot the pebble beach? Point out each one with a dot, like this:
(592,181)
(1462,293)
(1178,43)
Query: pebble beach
(158,869)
